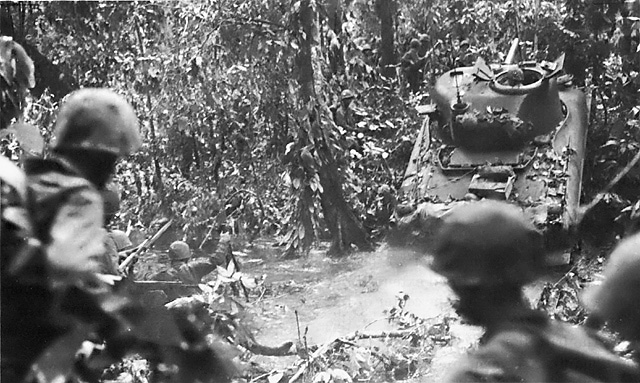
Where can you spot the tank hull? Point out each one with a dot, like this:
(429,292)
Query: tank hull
(541,170)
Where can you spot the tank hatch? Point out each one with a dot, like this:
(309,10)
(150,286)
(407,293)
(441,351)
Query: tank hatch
(500,108)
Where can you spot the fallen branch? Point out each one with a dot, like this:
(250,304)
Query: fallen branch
(383,334)
(584,210)
(357,335)
(320,351)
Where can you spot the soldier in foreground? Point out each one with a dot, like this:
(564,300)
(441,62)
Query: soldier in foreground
(617,300)
(47,274)
(488,251)
(95,127)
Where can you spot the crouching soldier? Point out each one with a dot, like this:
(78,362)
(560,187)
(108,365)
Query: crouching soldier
(183,268)
(115,241)
(488,251)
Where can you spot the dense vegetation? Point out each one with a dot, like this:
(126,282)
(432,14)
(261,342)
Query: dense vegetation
(232,123)
(235,100)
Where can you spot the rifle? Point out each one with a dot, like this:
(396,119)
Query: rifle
(169,287)
(146,245)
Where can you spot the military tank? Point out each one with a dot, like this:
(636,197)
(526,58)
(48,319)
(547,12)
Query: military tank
(513,131)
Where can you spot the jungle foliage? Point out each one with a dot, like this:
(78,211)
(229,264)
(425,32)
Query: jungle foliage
(230,140)
(236,103)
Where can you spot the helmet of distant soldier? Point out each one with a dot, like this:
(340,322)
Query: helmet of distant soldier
(179,250)
(617,299)
(121,240)
(415,43)
(96,119)
(366,47)
(347,95)
(488,243)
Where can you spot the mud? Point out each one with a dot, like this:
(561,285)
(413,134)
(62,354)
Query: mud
(336,298)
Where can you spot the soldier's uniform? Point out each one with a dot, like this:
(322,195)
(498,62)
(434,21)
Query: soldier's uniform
(93,129)
(488,250)
(23,280)
(67,214)
(65,210)
(25,297)
(115,242)
(532,348)
(617,300)
(183,268)
(343,114)
(16,226)
(412,65)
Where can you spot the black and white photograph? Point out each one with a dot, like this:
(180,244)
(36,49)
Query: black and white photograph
(319,191)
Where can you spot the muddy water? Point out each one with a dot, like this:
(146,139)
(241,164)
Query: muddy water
(336,298)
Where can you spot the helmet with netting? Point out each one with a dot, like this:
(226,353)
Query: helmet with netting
(488,243)
(121,240)
(97,120)
(179,250)
(347,95)
(617,299)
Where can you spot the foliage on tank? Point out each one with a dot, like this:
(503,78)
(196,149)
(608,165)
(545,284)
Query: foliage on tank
(493,129)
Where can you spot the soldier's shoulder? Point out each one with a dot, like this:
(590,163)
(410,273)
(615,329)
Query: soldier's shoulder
(509,355)
(512,346)
(50,176)
(579,343)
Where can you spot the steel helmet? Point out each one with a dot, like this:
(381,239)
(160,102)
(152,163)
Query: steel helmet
(347,95)
(415,43)
(97,119)
(179,250)
(121,240)
(617,299)
(488,243)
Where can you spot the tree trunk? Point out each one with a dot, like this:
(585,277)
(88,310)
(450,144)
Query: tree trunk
(304,234)
(303,58)
(385,10)
(342,223)
(334,15)
(344,226)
